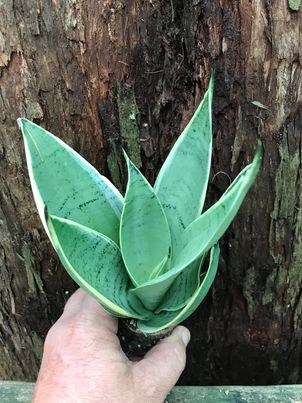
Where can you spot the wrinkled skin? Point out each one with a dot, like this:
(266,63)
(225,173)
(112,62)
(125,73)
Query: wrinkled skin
(83,360)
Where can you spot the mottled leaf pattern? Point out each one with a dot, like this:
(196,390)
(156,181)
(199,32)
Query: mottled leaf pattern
(170,319)
(159,269)
(144,233)
(183,287)
(94,261)
(142,257)
(206,230)
(68,185)
(182,181)
(201,235)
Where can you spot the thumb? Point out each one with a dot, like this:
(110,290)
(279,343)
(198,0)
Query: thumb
(164,363)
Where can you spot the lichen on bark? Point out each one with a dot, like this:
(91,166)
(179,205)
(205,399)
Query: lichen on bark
(128,121)
(294,4)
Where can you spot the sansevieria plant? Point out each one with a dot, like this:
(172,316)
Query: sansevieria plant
(140,256)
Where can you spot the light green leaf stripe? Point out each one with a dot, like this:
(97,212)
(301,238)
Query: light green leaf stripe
(183,287)
(144,233)
(95,263)
(182,181)
(202,234)
(170,319)
(159,268)
(68,184)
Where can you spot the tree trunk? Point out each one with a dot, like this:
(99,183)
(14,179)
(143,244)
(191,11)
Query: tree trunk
(80,68)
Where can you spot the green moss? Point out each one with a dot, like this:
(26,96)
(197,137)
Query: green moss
(295,273)
(282,285)
(285,184)
(274,286)
(285,201)
(248,291)
(34,280)
(267,297)
(128,121)
(294,4)
(115,165)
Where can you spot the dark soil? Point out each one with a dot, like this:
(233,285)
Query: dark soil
(135,343)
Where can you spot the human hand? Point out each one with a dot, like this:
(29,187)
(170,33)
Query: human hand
(83,360)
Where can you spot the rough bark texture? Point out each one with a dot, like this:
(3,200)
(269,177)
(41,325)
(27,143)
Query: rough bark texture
(81,68)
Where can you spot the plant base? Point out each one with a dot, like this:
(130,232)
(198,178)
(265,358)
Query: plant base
(134,342)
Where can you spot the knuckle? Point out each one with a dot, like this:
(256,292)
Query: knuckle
(66,332)
(176,354)
(53,333)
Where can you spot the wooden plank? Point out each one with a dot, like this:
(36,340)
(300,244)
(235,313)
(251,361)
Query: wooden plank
(236,394)
(16,392)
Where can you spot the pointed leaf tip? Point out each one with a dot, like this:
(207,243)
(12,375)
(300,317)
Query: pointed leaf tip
(70,186)
(202,233)
(182,192)
(259,150)
(144,232)
(211,84)
(19,122)
(206,230)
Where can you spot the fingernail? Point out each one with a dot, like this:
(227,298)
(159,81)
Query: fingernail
(186,336)
(183,333)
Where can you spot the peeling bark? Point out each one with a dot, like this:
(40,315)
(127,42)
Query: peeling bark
(60,65)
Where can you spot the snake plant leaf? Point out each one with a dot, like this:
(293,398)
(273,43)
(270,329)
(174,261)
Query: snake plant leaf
(183,287)
(202,234)
(68,184)
(155,293)
(158,270)
(94,261)
(144,233)
(182,195)
(170,319)
(206,230)
(140,257)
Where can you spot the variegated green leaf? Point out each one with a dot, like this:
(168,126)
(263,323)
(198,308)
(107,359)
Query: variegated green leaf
(144,233)
(206,230)
(159,268)
(170,319)
(183,287)
(202,234)
(182,181)
(94,261)
(162,236)
(68,184)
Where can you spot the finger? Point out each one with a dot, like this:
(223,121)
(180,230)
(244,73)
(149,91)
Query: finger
(164,363)
(84,307)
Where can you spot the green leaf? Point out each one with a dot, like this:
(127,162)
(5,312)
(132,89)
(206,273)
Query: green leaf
(206,230)
(144,233)
(170,319)
(202,234)
(159,268)
(95,263)
(183,287)
(69,185)
(182,181)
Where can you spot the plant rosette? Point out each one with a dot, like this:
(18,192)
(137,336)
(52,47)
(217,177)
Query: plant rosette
(152,255)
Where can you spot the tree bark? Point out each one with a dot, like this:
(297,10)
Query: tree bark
(80,68)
